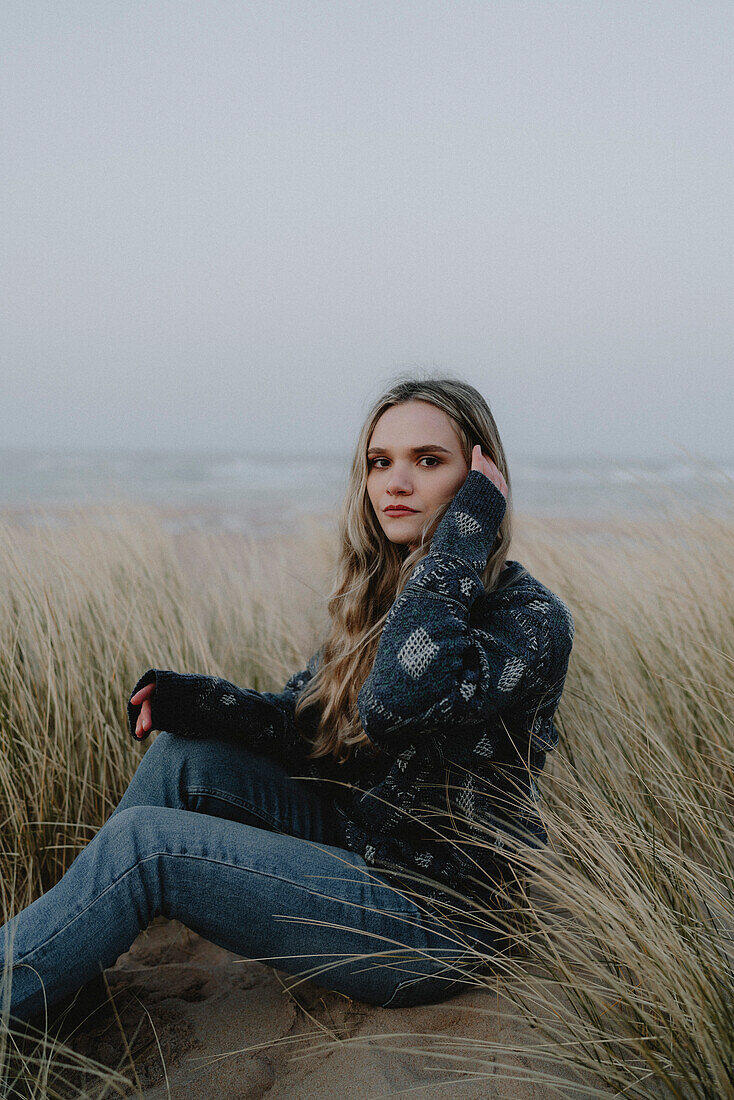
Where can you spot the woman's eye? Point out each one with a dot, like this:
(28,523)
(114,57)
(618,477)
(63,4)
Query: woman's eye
(431,458)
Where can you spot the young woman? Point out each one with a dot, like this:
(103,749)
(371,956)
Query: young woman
(357,828)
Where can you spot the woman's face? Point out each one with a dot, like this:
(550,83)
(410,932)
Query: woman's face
(415,459)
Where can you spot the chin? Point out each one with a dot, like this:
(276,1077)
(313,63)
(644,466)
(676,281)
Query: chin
(398,542)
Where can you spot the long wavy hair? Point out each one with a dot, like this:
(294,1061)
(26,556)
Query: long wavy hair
(371,571)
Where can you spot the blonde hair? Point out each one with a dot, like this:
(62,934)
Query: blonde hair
(371,570)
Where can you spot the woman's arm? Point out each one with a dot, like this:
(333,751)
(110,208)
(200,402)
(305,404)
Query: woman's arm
(433,671)
(193,705)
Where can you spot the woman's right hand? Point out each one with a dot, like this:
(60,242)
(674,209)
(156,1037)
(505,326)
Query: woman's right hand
(482,462)
(145,718)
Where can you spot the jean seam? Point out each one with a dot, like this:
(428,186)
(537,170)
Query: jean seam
(176,855)
(450,983)
(226,797)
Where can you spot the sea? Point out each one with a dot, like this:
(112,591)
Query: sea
(262,495)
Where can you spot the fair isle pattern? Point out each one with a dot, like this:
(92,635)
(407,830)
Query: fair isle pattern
(417,652)
(512,670)
(466,524)
(485,746)
(465,800)
(460,700)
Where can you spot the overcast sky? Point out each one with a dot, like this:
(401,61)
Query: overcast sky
(229,224)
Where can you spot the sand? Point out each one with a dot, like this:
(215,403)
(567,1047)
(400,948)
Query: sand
(224,1026)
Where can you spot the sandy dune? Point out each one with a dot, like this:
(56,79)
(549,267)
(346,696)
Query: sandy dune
(227,1026)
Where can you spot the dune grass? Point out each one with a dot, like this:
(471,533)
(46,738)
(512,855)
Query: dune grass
(624,935)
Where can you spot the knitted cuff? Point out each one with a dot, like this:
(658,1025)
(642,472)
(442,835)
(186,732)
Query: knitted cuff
(173,703)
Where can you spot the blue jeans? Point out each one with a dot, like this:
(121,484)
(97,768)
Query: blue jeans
(227,842)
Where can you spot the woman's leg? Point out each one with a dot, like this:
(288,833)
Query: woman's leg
(224,778)
(306,906)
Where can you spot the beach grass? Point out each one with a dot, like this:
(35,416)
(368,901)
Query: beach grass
(624,966)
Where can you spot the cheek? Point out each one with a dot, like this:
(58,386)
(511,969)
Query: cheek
(443,483)
(450,485)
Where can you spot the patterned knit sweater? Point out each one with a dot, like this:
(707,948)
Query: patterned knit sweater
(459,702)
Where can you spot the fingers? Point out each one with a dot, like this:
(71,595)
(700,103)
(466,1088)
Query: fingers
(145,719)
(144,693)
(480,461)
(144,723)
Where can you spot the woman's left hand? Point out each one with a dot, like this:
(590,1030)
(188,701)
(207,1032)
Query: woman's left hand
(485,465)
(142,699)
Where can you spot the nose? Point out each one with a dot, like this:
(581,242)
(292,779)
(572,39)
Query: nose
(398,483)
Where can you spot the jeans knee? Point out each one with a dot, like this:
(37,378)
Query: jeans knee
(129,822)
(126,855)
(134,833)
(167,752)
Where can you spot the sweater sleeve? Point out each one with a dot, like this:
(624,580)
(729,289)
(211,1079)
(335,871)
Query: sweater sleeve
(434,670)
(193,705)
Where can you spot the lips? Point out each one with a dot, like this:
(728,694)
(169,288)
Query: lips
(400,511)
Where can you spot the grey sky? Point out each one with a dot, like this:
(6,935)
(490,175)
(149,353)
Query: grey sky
(229,224)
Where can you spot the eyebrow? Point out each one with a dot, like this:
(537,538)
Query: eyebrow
(412,450)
